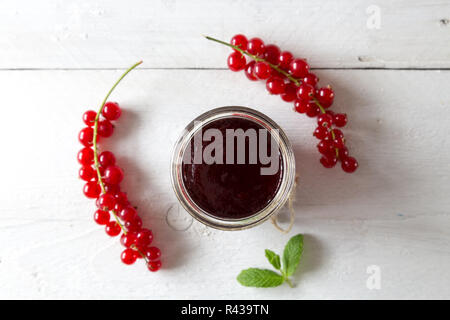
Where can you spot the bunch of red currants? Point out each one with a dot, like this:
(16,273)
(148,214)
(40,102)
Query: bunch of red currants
(291,78)
(103,178)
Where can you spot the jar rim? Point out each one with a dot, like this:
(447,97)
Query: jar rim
(287,179)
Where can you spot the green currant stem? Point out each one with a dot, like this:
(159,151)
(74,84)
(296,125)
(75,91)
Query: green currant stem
(289,282)
(97,117)
(322,109)
(257,59)
(94,142)
(286,74)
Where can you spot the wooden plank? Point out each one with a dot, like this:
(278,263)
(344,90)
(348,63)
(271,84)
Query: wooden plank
(393,212)
(167,33)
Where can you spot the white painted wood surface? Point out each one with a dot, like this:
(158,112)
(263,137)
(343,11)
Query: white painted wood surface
(393,213)
(108,34)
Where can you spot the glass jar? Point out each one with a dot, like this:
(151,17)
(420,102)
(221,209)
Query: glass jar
(287,178)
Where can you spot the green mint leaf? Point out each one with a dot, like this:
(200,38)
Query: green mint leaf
(292,254)
(273,258)
(260,278)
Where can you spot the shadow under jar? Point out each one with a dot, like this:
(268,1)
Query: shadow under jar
(232,168)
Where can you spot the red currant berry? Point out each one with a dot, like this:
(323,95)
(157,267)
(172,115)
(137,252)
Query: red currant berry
(340,119)
(275,85)
(112,228)
(240,41)
(153,253)
(236,61)
(113,175)
(144,238)
(290,92)
(87,173)
(134,225)
(305,92)
(255,46)
(128,214)
(311,79)
(121,197)
(92,189)
(119,206)
(106,159)
(106,202)
(325,96)
(111,111)
(272,54)
(284,60)
(338,133)
(105,128)
(278,74)
(111,188)
(154,266)
(86,136)
(325,120)
(128,239)
(262,70)
(328,162)
(299,68)
(331,113)
(300,106)
(326,148)
(89,117)
(312,110)
(321,132)
(349,164)
(249,71)
(85,156)
(339,143)
(128,256)
(101,217)
(329,138)
(343,153)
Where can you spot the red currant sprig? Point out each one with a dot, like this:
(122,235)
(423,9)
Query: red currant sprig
(103,178)
(292,80)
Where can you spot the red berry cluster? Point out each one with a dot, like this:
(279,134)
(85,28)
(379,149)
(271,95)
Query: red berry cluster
(292,79)
(103,178)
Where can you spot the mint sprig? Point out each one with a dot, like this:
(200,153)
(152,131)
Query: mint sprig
(260,278)
(273,258)
(264,278)
(292,254)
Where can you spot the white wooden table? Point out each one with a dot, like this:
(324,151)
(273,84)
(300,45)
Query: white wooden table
(59,57)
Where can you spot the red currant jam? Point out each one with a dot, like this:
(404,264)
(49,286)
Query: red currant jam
(232,190)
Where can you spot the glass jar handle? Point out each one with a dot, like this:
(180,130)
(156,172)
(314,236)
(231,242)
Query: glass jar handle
(290,204)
